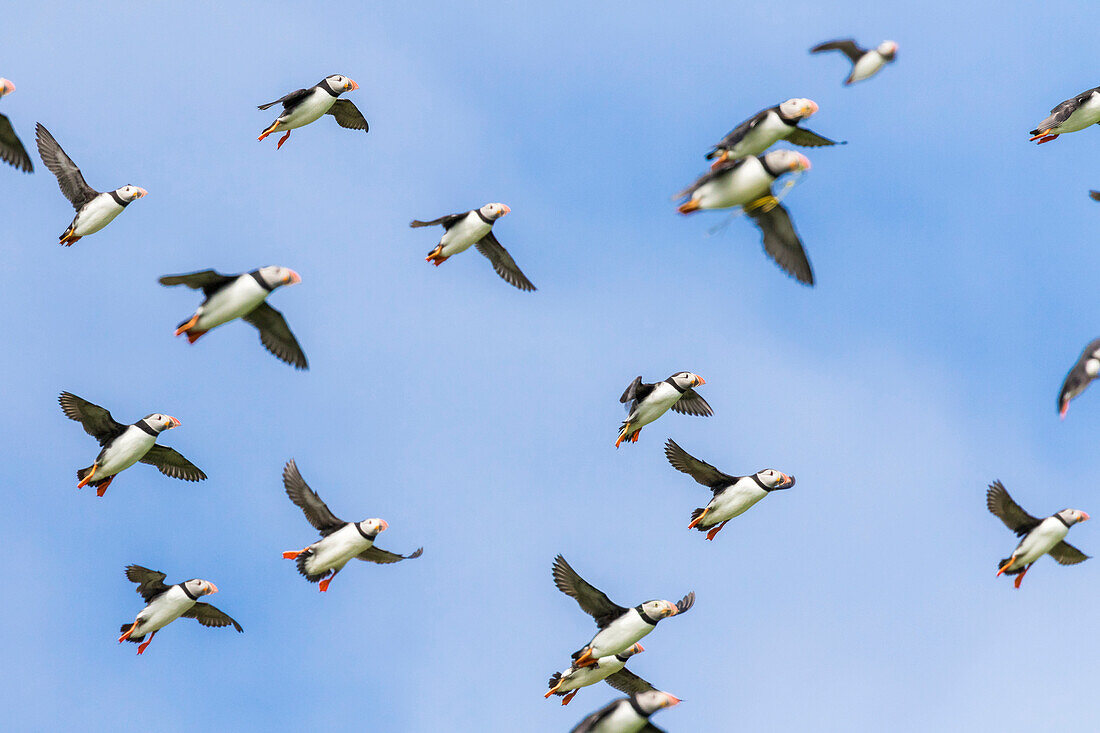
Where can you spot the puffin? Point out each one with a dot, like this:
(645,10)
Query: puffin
(12,151)
(1069,116)
(304,106)
(340,541)
(475,227)
(628,714)
(733,495)
(767,127)
(125,445)
(1080,376)
(94,210)
(620,628)
(611,669)
(865,62)
(746,182)
(1040,536)
(647,402)
(1094,195)
(242,296)
(166,603)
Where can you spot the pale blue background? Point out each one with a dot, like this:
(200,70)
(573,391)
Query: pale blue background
(956,266)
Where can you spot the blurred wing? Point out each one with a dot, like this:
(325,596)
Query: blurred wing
(172,464)
(701,471)
(447,221)
(150,582)
(11,147)
(1095,195)
(847,46)
(593,720)
(69,177)
(276,336)
(692,403)
(348,115)
(738,133)
(685,603)
(205,280)
(635,393)
(1067,554)
(208,615)
(97,421)
(385,557)
(781,241)
(503,263)
(807,139)
(721,169)
(316,511)
(1004,508)
(289,100)
(626,681)
(592,601)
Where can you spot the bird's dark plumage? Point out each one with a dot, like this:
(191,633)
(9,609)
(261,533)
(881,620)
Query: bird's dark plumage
(1001,505)
(701,471)
(276,335)
(172,464)
(626,681)
(348,115)
(1062,112)
(316,511)
(781,241)
(210,616)
(692,403)
(11,147)
(150,583)
(846,46)
(69,177)
(503,263)
(592,601)
(97,421)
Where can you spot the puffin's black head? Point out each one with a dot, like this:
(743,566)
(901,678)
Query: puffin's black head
(1072,516)
(339,83)
(198,587)
(492,212)
(887,50)
(797,109)
(371,527)
(775,480)
(159,422)
(651,701)
(6,87)
(686,380)
(275,276)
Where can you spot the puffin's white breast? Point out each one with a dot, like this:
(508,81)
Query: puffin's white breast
(868,65)
(96,214)
(735,500)
(464,234)
(656,403)
(1050,532)
(126,450)
(767,132)
(164,609)
(309,110)
(745,184)
(337,549)
(620,635)
(1085,115)
(237,299)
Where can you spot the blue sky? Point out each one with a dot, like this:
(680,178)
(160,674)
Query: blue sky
(955,267)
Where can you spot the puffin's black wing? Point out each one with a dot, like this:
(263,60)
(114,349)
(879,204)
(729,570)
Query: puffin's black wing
(447,221)
(701,471)
(69,177)
(626,681)
(348,115)
(316,511)
(503,263)
(593,602)
(847,46)
(738,133)
(1067,554)
(290,100)
(97,421)
(211,616)
(594,719)
(150,582)
(809,139)
(276,336)
(208,281)
(721,169)
(650,728)
(781,241)
(11,147)
(1095,195)
(1004,508)
(685,603)
(1061,113)
(635,393)
(385,557)
(692,403)
(172,464)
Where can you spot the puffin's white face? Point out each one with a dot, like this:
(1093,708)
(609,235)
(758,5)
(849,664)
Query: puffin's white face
(659,609)
(341,83)
(6,87)
(1073,516)
(888,49)
(494,211)
(775,479)
(199,587)
(636,649)
(787,160)
(687,380)
(798,108)
(161,422)
(653,700)
(276,276)
(130,193)
(374,526)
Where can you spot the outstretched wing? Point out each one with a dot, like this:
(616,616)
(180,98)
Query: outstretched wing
(721,169)
(701,471)
(207,281)
(289,100)
(11,147)
(97,421)
(447,221)
(385,557)
(626,681)
(276,336)
(348,115)
(150,582)
(503,263)
(809,139)
(211,616)
(781,241)
(592,721)
(172,464)
(1067,554)
(1004,508)
(685,603)
(635,393)
(846,46)
(738,133)
(592,601)
(69,177)
(316,511)
(692,403)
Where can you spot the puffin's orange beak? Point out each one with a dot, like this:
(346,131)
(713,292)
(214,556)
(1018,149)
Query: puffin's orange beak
(383,525)
(639,648)
(141,192)
(6,87)
(810,108)
(671,700)
(699,380)
(172,423)
(1084,516)
(294,278)
(213,588)
(505,209)
(352,86)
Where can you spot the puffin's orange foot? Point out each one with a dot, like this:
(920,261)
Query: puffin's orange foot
(634,437)
(145,644)
(585,660)
(1020,577)
(688,206)
(1006,566)
(193,336)
(91,474)
(711,534)
(1045,138)
(69,239)
(187,325)
(698,519)
(721,159)
(565,700)
(102,488)
(129,631)
(269,130)
(291,555)
(619,440)
(325,582)
(283,139)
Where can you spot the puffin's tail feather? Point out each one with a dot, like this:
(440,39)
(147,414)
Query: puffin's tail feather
(126,627)
(555,678)
(1004,562)
(698,513)
(312,578)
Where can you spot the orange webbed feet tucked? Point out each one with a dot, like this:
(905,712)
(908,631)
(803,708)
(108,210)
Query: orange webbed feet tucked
(1045,137)
(193,336)
(269,130)
(711,534)
(1006,566)
(102,488)
(1020,577)
(283,139)
(91,474)
(291,555)
(325,582)
(187,325)
(129,631)
(585,660)
(688,206)
(698,519)
(634,437)
(565,700)
(145,644)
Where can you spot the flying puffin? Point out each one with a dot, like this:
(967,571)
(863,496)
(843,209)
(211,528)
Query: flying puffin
(461,231)
(242,296)
(733,495)
(1069,116)
(1094,195)
(304,106)
(11,147)
(746,182)
(611,669)
(340,541)
(865,62)
(1083,372)
(166,603)
(647,402)
(765,128)
(94,210)
(1040,536)
(620,628)
(125,445)
(628,714)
